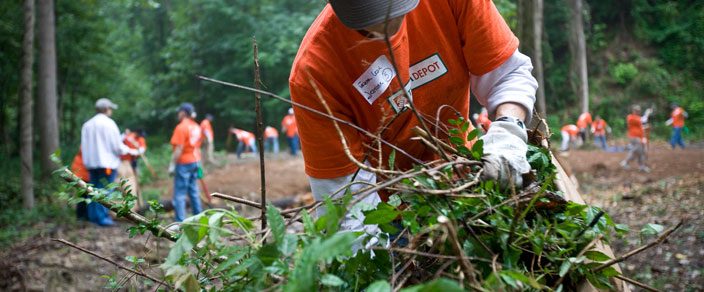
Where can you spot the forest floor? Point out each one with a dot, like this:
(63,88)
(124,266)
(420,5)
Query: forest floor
(672,190)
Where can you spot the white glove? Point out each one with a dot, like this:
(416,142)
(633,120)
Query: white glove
(505,154)
(668,122)
(133,152)
(172,168)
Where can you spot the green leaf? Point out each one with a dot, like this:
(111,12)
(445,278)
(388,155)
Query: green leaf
(229,262)
(609,272)
(392,159)
(379,286)
(465,127)
(456,140)
(288,244)
(215,220)
(478,149)
(454,132)
(652,229)
(394,201)
(268,253)
(596,256)
(276,223)
(308,223)
(564,268)
(437,285)
(337,244)
(382,215)
(473,134)
(331,280)
(621,228)
(332,213)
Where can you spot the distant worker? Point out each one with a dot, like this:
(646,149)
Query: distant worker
(483,121)
(570,137)
(599,129)
(271,139)
(288,127)
(185,162)
(583,122)
(246,141)
(81,172)
(101,146)
(636,138)
(208,136)
(677,121)
(128,164)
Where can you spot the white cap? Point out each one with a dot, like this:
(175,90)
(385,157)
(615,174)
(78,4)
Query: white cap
(104,103)
(290,111)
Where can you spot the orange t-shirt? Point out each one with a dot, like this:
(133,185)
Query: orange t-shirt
(205,125)
(635,126)
(271,132)
(599,127)
(289,123)
(584,120)
(677,117)
(188,135)
(243,136)
(484,120)
(129,140)
(571,129)
(78,168)
(438,45)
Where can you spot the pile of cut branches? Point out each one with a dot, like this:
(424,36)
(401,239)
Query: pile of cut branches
(443,230)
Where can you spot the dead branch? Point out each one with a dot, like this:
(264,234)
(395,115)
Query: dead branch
(466,265)
(639,284)
(128,269)
(636,251)
(260,132)
(157,230)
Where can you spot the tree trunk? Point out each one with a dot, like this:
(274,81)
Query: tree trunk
(578,50)
(530,32)
(26,146)
(46,99)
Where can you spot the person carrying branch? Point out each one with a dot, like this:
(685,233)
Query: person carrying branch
(185,162)
(636,137)
(441,49)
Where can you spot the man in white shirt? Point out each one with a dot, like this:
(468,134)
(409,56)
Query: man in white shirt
(102,146)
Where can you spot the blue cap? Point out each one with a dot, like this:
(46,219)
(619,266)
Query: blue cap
(187,107)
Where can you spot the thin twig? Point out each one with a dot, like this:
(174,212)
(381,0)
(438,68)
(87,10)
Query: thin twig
(639,284)
(660,238)
(454,241)
(260,132)
(133,271)
(432,255)
(581,253)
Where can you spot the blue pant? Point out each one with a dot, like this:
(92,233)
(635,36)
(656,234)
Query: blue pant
(186,184)
(293,144)
(677,138)
(98,213)
(600,140)
(271,142)
(241,146)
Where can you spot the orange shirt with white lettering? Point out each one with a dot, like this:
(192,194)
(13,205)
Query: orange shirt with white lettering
(270,132)
(571,129)
(584,120)
(188,135)
(133,142)
(438,46)
(207,128)
(289,124)
(677,116)
(635,126)
(599,127)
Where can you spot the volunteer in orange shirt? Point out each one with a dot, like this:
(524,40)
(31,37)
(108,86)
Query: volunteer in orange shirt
(127,170)
(271,139)
(570,136)
(599,129)
(583,122)
(208,136)
(677,121)
(246,141)
(81,172)
(440,48)
(637,138)
(185,161)
(134,140)
(290,128)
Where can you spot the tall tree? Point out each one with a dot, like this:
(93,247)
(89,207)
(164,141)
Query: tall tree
(530,31)
(26,146)
(46,99)
(578,50)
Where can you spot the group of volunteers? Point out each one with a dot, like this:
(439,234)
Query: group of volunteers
(637,124)
(106,155)
(247,140)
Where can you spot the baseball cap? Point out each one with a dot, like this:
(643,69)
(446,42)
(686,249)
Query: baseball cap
(358,14)
(187,107)
(104,103)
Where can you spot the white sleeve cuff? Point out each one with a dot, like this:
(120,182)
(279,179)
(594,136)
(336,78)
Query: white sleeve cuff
(510,82)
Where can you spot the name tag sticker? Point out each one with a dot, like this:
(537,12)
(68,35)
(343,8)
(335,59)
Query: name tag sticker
(427,70)
(376,79)
(398,100)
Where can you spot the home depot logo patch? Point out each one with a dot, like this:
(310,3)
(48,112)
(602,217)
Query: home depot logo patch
(427,70)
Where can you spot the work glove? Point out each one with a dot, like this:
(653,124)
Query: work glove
(133,152)
(505,154)
(172,168)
